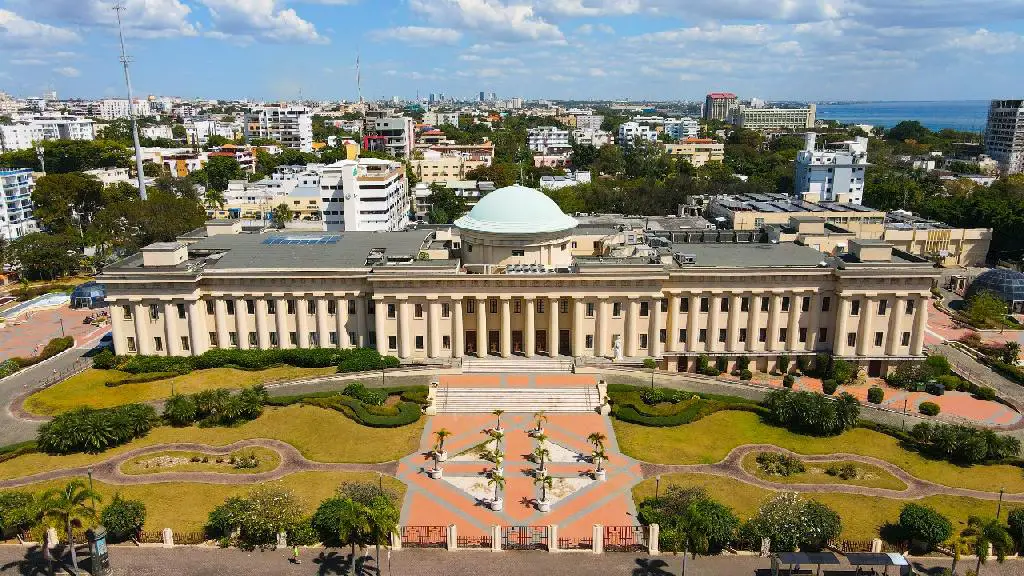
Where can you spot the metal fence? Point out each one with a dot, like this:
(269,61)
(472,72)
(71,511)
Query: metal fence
(156,537)
(185,538)
(524,537)
(565,543)
(625,539)
(474,542)
(424,536)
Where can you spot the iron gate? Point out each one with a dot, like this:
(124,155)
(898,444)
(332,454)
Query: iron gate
(625,539)
(424,536)
(524,537)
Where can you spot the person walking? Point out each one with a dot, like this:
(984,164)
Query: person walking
(295,552)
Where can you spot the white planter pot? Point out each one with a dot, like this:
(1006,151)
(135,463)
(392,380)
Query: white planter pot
(600,474)
(442,456)
(435,473)
(540,473)
(536,432)
(543,506)
(499,430)
(499,470)
(497,504)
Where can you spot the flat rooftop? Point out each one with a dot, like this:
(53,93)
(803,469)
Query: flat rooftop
(749,255)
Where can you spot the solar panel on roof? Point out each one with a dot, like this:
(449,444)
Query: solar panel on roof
(301,240)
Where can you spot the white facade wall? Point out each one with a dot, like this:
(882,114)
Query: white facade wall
(544,138)
(1004,135)
(682,128)
(629,131)
(595,138)
(16,203)
(292,126)
(20,136)
(589,122)
(832,175)
(156,132)
(199,131)
(365,195)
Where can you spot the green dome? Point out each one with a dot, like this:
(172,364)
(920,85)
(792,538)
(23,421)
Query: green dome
(516,210)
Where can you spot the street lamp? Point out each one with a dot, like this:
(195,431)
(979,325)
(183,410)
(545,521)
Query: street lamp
(42,158)
(93,496)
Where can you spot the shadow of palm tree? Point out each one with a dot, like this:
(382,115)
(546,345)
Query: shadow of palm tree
(338,563)
(32,564)
(651,567)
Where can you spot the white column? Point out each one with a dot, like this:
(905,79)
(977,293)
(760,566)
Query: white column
(242,323)
(578,341)
(672,324)
(197,327)
(404,332)
(458,329)
(530,329)
(795,305)
(506,327)
(733,323)
(753,321)
(322,325)
(141,321)
(892,339)
(262,334)
(481,327)
(842,314)
(774,317)
(302,321)
(341,313)
(281,318)
(714,309)
(654,347)
(812,322)
(920,323)
(632,315)
(380,312)
(433,328)
(553,327)
(220,318)
(865,336)
(601,343)
(170,330)
(691,323)
(362,322)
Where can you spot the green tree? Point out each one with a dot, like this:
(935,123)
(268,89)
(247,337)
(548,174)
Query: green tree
(503,174)
(58,198)
(280,215)
(221,169)
(688,518)
(924,524)
(216,141)
(986,310)
(18,511)
(47,256)
(68,506)
(583,156)
(988,531)
(790,521)
(123,518)
(214,198)
(259,517)
(178,131)
(446,203)
(610,160)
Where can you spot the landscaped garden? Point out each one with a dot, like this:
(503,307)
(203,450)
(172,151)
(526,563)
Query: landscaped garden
(839,472)
(251,460)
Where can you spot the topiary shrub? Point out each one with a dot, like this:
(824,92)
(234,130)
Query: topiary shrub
(843,471)
(702,363)
(788,380)
(876,395)
(652,396)
(123,518)
(367,396)
(721,363)
(804,364)
(776,464)
(929,408)
(829,387)
(783,363)
(951,382)
(746,374)
(742,363)
(105,360)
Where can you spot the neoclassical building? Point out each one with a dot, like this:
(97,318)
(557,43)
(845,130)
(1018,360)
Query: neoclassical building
(516,276)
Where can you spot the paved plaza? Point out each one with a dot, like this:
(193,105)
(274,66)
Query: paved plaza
(26,335)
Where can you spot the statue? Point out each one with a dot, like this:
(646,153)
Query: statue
(617,347)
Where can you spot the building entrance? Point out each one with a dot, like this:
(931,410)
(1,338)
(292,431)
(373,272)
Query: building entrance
(564,345)
(517,342)
(541,339)
(494,342)
(471,343)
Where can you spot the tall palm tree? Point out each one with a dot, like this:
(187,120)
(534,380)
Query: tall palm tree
(68,505)
(597,439)
(498,413)
(498,481)
(353,525)
(686,532)
(545,483)
(541,454)
(989,531)
(441,435)
(383,519)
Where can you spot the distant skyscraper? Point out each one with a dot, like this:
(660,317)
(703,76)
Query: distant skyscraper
(1004,135)
(482,97)
(718,105)
(493,97)
(431,100)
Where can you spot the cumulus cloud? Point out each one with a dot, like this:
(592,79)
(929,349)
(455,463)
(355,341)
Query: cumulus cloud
(418,35)
(68,71)
(987,42)
(248,20)
(141,18)
(498,20)
(18,32)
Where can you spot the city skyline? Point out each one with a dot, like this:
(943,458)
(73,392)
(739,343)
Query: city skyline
(586,49)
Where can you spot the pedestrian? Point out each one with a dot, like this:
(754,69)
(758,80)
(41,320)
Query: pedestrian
(295,552)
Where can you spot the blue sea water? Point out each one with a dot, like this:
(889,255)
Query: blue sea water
(967,115)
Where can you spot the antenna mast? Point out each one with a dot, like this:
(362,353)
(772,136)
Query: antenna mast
(131,108)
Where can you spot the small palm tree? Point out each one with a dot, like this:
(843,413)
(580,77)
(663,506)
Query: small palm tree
(545,482)
(68,506)
(539,419)
(353,525)
(597,439)
(541,454)
(541,439)
(498,413)
(687,531)
(440,435)
(382,517)
(599,458)
(498,481)
(496,435)
(989,531)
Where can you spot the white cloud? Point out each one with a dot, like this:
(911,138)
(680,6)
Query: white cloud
(576,8)
(500,21)
(247,20)
(68,71)
(141,18)
(597,73)
(17,32)
(730,33)
(988,42)
(418,35)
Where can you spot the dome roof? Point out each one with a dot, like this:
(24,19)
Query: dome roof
(516,210)
(1006,284)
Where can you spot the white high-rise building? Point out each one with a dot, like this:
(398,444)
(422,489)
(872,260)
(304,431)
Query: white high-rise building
(364,195)
(114,108)
(548,140)
(835,175)
(395,135)
(1004,135)
(595,138)
(630,131)
(774,118)
(64,127)
(19,136)
(16,203)
(682,128)
(589,121)
(292,126)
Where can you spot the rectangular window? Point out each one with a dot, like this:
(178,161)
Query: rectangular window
(417,311)
(181,311)
(492,305)
(392,311)
(446,342)
(762,335)
(851,338)
(826,303)
(271,306)
(723,305)
(314,340)
(883,305)
(127,310)
(213,339)
(822,334)
(352,338)
(684,305)
(588,341)
(764,303)
(805,304)
(392,342)
(230,305)
(785,303)
(910,306)
(662,335)
(253,340)
(855,308)
(803,335)
(616,309)
(783,332)
(250,306)
(517,305)
(540,305)
(311,307)
(184,343)
(519,253)
(332,307)
(419,342)
(878,338)
(645,309)
(743,334)
(210,308)
(351,306)
(446,310)
(233,339)
(702,335)
(293,338)
(291,307)
(704,304)
(590,309)
(664,305)
(643,341)
(470,306)
(721,334)
(563,305)
(273,340)
(131,344)
(154,311)
(745,304)
(682,334)
(905,339)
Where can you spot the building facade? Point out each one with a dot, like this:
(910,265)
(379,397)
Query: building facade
(513,278)
(1004,135)
(719,105)
(765,119)
(595,138)
(16,206)
(630,131)
(682,128)
(697,151)
(394,135)
(292,126)
(364,195)
(835,175)
(548,140)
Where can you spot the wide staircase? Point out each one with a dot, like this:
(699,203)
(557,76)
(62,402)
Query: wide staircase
(482,400)
(520,365)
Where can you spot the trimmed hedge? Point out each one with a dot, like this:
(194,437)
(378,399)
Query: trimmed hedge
(408,412)
(929,408)
(876,395)
(14,450)
(696,408)
(140,379)
(52,348)
(347,360)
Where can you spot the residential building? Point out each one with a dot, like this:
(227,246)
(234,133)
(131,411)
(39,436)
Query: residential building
(292,126)
(198,132)
(589,121)
(1004,135)
(364,195)
(242,154)
(767,119)
(469,190)
(548,140)
(682,128)
(393,134)
(115,108)
(16,205)
(442,163)
(697,151)
(350,126)
(441,118)
(630,131)
(834,175)
(595,138)
(569,179)
(719,105)
(157,131)
(27,130)
(110,176)
(506,281)
(18,136)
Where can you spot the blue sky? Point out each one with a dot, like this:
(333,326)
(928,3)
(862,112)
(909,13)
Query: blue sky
(637,49)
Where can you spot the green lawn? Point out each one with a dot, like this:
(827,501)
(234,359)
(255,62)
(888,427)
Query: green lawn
(89,388)
(320,434)
(167,462)
(184,506)
(814,473)
(861,515)
(708,441)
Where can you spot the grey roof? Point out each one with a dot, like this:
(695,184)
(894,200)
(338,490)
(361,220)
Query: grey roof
(750,255)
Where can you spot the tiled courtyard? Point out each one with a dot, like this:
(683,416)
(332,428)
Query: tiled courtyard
(462,496)
(27,334)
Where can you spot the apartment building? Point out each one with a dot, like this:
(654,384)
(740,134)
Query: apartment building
(16,205)
(441,163)
(441,118)
(241,154)
(26,131)
(769,119)
(198,132)
(115,108)
(364,195)
(682,128)
(292,126)
(719,105)
(395,135)
(697,151)
(630,131)
(589,121)
(548,140)
(833,175)
(1004,135)
(595,138)
(155,132)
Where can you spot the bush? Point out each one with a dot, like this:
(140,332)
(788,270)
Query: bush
(105,360)
(924,524)
(367,396)
(950,382)
(842,371)
(217,407)
(18,512)
(876,395)
(8,367)
(829,387)
(984,393)
(935,389)
(810,413)
(93,431)
(789,522)
(776,464)
(742,363)
(962,444)
(347,360)
(702,363)
(408,412)
(804,364)
(721,364)
(782,363)
(139,379)
(258,517)
(246,462)
(712,371)
(929,408)
(843,471)
(746,374)
(123,519)
(180,410)
(788,380)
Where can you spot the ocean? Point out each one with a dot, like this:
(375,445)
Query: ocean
(966,115)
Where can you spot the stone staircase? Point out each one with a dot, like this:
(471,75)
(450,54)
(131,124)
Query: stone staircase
(484,400)
(520,365)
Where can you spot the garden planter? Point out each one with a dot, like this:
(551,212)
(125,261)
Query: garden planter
(540,473)
(600,474)
(499,430)
(536,432)
(435,473)
(497,504)
(498,471)
(543,506)
(442,455)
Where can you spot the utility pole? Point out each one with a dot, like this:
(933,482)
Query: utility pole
(131,108)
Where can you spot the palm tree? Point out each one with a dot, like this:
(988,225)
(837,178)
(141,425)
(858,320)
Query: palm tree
(685,532)
(496,435)
(67,505)
(441,435)
(498,481)
(597,439)
(539,419)
(498,413)
(281,214)
(383,519)
(353,525)
(989,531)
(214,198)
(541,454)
(545,483)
